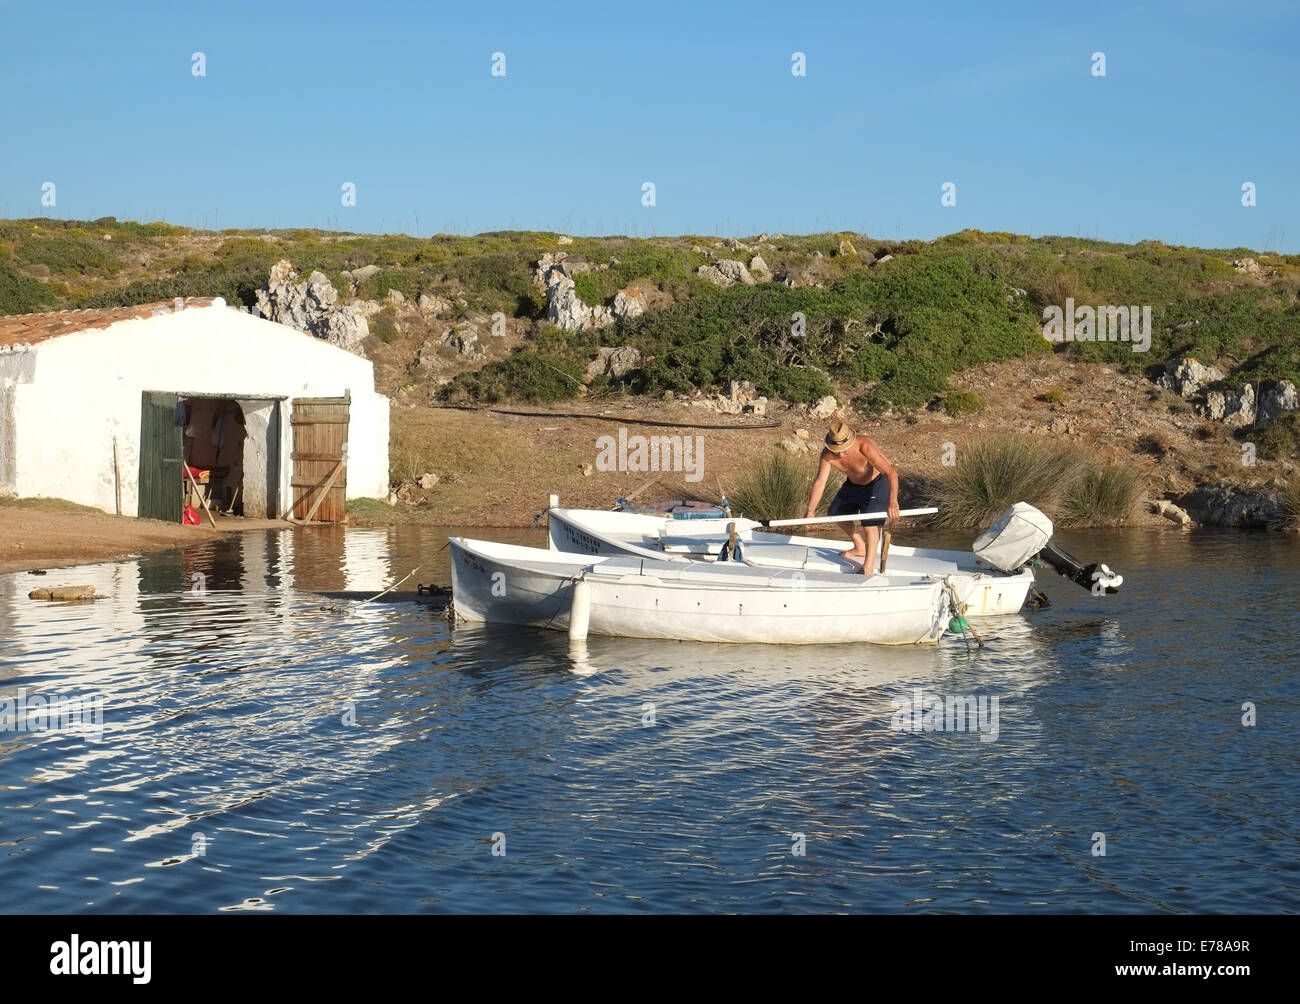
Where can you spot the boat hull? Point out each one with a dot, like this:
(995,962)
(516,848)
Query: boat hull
(691,601)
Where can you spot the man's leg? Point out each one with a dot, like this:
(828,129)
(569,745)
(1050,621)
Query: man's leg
(872,535)
(859,547)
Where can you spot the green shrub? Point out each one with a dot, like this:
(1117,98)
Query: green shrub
(237,288)
(526,375)
(383,325)
(587,286)
(20,294)
(963,402)
(70,252)
(1055,396)
(1101,494)
(1289,501)
(776,489)
(1280,438)
(1067,483)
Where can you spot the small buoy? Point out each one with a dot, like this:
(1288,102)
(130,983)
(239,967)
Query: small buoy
(958,625)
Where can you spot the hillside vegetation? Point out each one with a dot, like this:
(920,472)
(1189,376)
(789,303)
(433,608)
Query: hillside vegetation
(884,334)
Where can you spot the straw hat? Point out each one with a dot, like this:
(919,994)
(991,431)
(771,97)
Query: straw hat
(839,437)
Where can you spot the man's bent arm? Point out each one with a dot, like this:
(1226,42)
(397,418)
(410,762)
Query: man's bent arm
(881,463)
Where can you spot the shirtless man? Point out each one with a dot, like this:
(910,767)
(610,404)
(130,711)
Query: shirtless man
(870,485)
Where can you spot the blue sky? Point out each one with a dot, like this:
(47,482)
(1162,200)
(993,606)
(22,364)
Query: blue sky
(696,97)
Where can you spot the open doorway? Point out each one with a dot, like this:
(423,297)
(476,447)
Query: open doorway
(214,437)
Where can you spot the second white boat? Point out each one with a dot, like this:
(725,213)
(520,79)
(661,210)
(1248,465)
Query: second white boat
(635,597)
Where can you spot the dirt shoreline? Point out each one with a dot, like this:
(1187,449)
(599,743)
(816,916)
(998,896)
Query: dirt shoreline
(52,533)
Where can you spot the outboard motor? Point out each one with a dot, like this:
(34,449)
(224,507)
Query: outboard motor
(1022,534)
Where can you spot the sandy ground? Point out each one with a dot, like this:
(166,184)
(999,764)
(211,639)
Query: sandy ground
(51,533)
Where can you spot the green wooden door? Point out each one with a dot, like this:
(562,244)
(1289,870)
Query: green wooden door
(161,450)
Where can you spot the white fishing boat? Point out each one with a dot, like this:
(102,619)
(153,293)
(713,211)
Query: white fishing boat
(635,597)
(985,590)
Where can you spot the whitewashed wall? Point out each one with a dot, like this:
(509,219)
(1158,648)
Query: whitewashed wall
(63,402)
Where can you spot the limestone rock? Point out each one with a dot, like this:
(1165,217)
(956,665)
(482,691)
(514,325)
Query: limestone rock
(1231,407)
(431,304)
(463,338)
(1225,505)
(1173,513)
(735,271)
(427,481)
(615,363)
(759,270)
(564,307)
(1186,377)
(1276,400)
(628,303)
(824,408)
(714,275)
(312,307)
(347,329)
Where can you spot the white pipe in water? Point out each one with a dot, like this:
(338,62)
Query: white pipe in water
(580,611)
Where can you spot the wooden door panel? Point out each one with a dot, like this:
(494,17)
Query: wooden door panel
(320,437)
(161,450)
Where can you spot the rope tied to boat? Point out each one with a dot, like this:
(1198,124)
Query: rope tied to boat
(959,615)
(537,517)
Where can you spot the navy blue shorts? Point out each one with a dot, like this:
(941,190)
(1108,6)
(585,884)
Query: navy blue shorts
(871,497)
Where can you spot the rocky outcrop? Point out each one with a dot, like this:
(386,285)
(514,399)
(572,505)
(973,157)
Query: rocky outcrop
(1186,377)
(1234,407)
(311,306)
(759,270)
(727,272)
(564,307)
(741,398)
(1231,407)
(463,338)
(1226,505)
(614,363)
(824,408)
(628,303)
(735,271)
(431,304)
(1277,399)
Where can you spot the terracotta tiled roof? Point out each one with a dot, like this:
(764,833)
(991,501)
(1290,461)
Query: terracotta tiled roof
(16,329)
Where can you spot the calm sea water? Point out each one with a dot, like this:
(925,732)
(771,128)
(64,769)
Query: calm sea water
(267,749)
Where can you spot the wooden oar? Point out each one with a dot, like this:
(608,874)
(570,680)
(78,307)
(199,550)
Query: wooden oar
(884,551)
(849,517)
